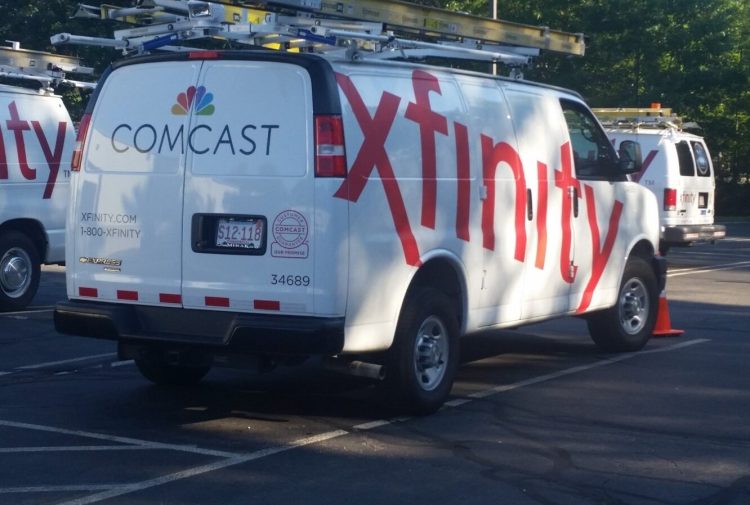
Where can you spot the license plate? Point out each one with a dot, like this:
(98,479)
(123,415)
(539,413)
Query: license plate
(245,234)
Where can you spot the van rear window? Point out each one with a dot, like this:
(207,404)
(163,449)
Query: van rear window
(685,157)
(701,159)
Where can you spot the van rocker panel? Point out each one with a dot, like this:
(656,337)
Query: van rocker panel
(225,331)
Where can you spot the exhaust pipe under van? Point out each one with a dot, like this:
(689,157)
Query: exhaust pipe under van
(355,367)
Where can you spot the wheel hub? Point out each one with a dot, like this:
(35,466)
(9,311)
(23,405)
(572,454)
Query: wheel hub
(15,273)
(634,307)
(431,353)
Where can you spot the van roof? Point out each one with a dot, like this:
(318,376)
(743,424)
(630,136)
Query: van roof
(319,67)
(321,74)
(665,132)
(7,88)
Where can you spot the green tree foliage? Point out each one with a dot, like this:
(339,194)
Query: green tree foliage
(690,55)
(32,22)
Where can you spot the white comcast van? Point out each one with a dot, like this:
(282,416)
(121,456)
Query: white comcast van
(36,142)
(263,204)
(677,168)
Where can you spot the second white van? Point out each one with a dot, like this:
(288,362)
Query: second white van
(677,167)
(36,143)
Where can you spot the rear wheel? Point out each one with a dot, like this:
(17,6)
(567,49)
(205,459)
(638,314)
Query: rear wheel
(155,368)
(20,269)
(629,324)
(422,362)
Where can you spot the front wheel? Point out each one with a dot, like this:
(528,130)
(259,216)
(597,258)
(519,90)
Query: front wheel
(423,359)
(629,324)
(20,269)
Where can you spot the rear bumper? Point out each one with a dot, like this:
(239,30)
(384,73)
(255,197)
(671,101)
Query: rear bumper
(225,332)
(687,234)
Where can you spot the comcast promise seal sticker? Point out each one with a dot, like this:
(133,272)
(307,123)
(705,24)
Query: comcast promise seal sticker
(289,235)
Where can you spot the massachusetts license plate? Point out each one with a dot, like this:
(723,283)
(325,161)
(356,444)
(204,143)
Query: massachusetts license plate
(245,234)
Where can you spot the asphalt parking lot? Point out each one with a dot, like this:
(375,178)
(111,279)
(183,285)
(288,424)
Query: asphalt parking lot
(537,416)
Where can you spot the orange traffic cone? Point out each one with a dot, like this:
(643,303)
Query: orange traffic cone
(663,327)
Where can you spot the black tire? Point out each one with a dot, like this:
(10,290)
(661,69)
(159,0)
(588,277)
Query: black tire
(422,362)
(155,368)
(20,268)
(629,324)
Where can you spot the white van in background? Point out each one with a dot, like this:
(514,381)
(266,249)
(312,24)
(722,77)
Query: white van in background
(676,167)
(36,143)
(271,205)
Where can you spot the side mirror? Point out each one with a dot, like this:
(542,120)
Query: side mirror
(631,160)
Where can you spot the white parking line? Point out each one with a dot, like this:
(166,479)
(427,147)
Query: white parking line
(121,440)
(58,489)
(198,470)
(66,361)
(35,310)
(582,368)
(77,448)
(231,459)
(714,268)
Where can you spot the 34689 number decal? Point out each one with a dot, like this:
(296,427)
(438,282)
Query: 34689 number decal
(290,280)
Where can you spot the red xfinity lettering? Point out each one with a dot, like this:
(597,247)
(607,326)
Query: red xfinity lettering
(566,182)
(53,158)
(18,126)
(541,220)
(600,256)
(53,155)
(372,155)
(463,181)
(492,156)
(429,123)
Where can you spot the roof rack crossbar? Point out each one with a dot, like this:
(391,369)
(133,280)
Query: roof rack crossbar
(318,25)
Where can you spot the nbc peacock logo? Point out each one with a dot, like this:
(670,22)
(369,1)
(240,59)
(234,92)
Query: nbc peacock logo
(197,98)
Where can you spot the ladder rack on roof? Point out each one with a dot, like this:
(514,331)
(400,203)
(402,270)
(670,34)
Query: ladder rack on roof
(634,118)
(49,69)
(314,24)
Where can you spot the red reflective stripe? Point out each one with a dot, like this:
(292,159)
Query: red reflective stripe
(127,295)
(217,301)
(170,298)
(267,305)
(90,292)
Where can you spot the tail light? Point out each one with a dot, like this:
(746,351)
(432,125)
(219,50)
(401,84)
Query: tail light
(670,199)
(330,155)
(203,55)
(83,130)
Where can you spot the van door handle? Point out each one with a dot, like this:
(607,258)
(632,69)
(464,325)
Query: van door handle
(529,205)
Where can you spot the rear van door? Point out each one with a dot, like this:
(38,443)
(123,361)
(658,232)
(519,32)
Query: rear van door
(248,217)
(126,216)
(198,188)
(695,185)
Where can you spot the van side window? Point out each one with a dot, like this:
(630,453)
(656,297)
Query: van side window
(593,154)
(701,159)
(685,157)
